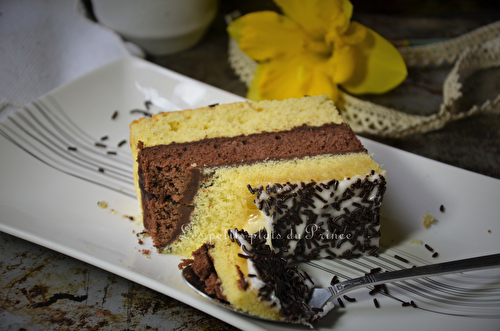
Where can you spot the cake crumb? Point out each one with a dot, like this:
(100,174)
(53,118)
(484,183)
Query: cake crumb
(489,231)
(145,252)
(102,204)
(416,241)
(429,219)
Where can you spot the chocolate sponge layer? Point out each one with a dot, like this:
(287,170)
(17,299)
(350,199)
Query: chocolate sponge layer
(169,174)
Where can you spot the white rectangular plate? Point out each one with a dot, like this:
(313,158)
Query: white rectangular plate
(49,195)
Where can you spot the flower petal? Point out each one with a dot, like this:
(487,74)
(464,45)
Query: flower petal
(336,14)
(343,63)
(321,83)
(235,29)
(354,34)
(379,66)
(266,34)
(317,17)
(253,92)
(304,13)
(292,77)
(347,8)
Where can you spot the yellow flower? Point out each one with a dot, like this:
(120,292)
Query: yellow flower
(312,49)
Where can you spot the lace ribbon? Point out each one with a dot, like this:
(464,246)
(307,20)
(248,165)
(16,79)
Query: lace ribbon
(474,51)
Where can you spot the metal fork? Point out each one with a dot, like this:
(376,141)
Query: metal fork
(320,296)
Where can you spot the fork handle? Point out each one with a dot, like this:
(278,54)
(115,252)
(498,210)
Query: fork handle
(475,263)
(321,296)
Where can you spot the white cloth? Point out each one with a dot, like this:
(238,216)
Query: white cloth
(46,43)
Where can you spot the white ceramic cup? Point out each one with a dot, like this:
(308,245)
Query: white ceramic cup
(159,27)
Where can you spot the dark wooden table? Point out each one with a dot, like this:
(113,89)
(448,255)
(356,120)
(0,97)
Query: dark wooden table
(44,290)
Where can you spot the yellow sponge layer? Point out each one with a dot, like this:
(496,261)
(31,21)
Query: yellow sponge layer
(224,202)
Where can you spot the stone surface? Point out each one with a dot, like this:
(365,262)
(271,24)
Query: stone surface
(41,289)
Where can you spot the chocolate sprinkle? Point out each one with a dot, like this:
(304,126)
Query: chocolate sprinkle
(429,248)
(140,111)
(111,153)
(341,303)
(250,189)
(402,259)
(334,280)
(349,298)
(121,143)
(242,282)
(115,115)
(375,301)
(441,208)
(104,138)
(71,148)
(100,145)
(435,254)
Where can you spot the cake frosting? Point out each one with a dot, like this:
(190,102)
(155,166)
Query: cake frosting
(323,220)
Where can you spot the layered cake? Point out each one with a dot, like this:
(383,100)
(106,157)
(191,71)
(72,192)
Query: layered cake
(246,185)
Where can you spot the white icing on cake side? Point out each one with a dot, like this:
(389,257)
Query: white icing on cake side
(323,219)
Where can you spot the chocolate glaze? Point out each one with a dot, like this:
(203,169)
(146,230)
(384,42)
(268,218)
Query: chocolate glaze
(169,174)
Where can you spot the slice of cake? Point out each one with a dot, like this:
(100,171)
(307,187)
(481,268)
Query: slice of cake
(287,176)
(193,167)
